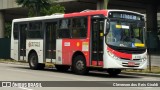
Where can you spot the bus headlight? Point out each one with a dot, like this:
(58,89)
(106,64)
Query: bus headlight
(112,55)
(144,59)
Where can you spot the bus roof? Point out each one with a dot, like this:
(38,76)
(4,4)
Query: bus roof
(39,18)
(86,13)
(76,14)
(83,13)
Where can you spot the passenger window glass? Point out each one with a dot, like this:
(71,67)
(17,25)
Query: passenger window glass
(64,28)
(79,28)
(15,31)
(35,30)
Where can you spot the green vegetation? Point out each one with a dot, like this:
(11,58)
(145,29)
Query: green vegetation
(7,60)
(154,69)
(11,61)
(41,7)
(7,33)
(36,8)
(53,9)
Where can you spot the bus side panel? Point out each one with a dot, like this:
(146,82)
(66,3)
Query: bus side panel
(36,45)
(15,50)
(59,51)
(12,45)
(70,46)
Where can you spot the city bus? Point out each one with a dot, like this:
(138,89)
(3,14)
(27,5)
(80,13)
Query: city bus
(110,40)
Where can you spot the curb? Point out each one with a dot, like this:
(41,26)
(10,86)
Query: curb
(17,63)
(142,74)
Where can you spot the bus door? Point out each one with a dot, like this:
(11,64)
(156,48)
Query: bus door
(96,42)
(22,41)
(50,41)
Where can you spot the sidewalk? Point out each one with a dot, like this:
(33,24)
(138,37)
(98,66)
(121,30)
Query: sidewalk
(155,60)
(142,74)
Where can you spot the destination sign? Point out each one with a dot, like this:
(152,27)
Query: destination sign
(125,15)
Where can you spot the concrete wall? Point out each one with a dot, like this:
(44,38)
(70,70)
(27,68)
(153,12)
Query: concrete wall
(5,4)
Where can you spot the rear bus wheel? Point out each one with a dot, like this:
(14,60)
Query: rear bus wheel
(79,65)
(33,62)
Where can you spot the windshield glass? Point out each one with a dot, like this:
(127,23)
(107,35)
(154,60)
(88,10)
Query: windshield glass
(126,34)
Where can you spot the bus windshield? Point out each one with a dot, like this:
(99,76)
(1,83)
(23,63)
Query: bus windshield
(125,33)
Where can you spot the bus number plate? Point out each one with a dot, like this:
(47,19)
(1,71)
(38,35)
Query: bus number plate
(131,63)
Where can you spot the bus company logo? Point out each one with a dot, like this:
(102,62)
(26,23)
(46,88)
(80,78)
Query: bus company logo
(34,44)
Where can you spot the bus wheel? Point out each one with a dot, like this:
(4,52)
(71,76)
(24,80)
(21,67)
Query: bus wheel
(62,67)
(114,72)
(33,62)
(79,65)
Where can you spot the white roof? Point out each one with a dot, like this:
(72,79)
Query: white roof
(39,18)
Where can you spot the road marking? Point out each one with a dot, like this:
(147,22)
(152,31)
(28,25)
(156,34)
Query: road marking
(25,88)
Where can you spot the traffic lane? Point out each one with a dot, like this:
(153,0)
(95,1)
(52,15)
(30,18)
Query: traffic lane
(23,73)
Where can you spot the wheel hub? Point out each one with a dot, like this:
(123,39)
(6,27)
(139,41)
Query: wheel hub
(80,65)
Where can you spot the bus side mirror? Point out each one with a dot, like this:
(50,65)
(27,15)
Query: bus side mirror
(107,26)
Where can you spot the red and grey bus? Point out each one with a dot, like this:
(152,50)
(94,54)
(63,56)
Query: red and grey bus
(111,40)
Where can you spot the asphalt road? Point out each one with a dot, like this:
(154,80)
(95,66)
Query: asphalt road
(16,72)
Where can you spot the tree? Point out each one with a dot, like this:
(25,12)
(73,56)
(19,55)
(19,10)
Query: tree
(34,6)
(56,8)
(7,33)
(41,7)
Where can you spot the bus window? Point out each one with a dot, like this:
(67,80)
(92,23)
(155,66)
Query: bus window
(15,30)
(79,28)
(64,28)
(35,30)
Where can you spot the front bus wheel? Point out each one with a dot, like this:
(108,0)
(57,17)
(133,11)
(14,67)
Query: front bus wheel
(79,65)
(114,72)
(33,62)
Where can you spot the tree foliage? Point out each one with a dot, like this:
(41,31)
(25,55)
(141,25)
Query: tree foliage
(40,7)
(7,33)
(53,9)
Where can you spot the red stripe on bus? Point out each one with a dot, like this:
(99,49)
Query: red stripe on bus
(94,12)
(120,54)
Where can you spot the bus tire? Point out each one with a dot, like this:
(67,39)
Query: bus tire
(33,62)
(62,67)
(114,72)
(79,65)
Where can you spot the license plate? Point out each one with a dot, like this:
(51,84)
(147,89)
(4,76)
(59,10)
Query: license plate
(131,63)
